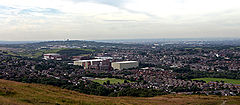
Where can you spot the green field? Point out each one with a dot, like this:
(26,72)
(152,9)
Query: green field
(232,81)
(112,80)
(197,48)
(234,48)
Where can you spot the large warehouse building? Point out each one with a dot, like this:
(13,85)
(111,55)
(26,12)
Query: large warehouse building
(124,65)
(52,56)
(97,64)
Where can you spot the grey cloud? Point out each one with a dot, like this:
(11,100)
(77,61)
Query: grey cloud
(40,10)
(6,8)
(117,3)
(120,20)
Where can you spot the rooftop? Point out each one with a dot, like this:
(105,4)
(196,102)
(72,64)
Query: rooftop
(126,62)
(90,60)
(51,54)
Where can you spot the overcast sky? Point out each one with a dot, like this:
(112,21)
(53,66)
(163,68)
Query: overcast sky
(118,19)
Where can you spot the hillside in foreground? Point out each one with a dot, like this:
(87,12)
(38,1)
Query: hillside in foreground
(15,93)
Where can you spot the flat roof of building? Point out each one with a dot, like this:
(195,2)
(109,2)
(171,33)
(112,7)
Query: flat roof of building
(104,58)
(50,54)
(126,62)
(91,60)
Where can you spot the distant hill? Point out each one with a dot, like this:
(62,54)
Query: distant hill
(66,48)
(17,42)
(72,43)
(15,93)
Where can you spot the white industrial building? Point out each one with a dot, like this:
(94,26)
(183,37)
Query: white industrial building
(125,65)
(86,63)
(52,56)
(105,58)
(97,64)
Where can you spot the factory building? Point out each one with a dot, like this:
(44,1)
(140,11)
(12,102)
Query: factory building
(77,58)
(97,64)
(105,58)
(124,65)
(52,56)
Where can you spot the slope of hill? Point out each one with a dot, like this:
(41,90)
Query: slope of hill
(15,93)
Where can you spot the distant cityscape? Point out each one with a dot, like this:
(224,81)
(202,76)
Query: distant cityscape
(168,67)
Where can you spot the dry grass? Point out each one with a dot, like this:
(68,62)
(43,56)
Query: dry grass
(15,93)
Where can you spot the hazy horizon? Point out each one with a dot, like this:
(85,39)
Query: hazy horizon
(133,39)
(42,20)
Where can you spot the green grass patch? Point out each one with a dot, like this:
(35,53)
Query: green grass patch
(112,80)
(232,81)
(197,48)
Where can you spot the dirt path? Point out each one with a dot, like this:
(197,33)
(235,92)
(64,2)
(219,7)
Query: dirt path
(224,102)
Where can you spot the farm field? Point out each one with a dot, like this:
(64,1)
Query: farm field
(232,81)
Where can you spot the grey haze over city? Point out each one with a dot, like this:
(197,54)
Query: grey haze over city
(31,20)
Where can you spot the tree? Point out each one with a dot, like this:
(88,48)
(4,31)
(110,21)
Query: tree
(108,82)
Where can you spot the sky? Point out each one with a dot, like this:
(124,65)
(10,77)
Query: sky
(25,20)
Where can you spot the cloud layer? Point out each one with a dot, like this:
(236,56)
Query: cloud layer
(113,19)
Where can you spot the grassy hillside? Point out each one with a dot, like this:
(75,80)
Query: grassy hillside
(232,81)
(15,93)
